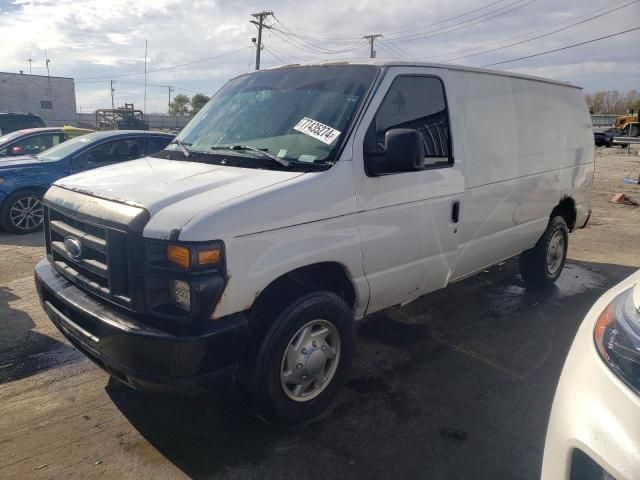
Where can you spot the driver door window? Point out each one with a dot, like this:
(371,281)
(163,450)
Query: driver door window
(418,103)
(107,153)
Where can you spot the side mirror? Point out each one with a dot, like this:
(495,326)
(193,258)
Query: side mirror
(16,151)
(403,152)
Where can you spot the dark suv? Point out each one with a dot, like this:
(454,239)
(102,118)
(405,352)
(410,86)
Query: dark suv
(10,122)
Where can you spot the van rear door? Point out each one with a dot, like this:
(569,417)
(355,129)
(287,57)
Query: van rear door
(409,221)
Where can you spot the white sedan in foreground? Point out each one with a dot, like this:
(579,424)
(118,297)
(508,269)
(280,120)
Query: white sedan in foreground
(594,428)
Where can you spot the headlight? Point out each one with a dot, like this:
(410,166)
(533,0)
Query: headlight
(183,280)
(617,336)
(180,292)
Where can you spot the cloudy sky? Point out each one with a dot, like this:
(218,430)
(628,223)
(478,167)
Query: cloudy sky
(197,45)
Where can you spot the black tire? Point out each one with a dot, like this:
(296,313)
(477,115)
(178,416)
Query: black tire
(259,376)
(542,265)
(31,199)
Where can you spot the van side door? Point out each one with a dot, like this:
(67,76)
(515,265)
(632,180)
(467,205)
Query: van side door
(408,221)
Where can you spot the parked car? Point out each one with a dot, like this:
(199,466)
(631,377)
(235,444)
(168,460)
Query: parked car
(10,122)
(594,427)
(604,136)
(23,180)
(36,140)
(629,134)
(299,200)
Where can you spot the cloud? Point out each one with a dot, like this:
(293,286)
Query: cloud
(94,38)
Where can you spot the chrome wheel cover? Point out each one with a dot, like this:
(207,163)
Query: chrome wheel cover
(310,360)
(555,252)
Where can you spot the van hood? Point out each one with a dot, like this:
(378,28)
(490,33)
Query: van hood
(181,188)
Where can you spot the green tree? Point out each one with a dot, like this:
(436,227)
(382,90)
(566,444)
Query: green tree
(179,105)
(198,101)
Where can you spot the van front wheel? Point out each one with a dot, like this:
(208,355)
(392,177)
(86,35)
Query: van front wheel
(542,265)
(301,362)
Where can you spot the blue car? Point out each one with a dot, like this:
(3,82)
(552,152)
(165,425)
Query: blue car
(23,180)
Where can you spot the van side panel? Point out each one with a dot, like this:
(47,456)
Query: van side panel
(525,145)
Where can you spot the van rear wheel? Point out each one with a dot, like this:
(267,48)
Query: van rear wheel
(298,367)
(542,265)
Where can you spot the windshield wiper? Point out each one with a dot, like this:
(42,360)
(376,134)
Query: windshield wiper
(183,146)
(263,152)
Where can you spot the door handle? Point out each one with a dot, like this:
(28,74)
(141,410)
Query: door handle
(455,211)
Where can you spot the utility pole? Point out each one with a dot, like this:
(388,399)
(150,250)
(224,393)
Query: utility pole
(29,60)
(261,16)
(169,109)
(46,62)
(371,39)
(145,79)
(113,106)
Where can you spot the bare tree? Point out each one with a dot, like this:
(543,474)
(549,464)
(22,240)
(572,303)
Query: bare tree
(613,102)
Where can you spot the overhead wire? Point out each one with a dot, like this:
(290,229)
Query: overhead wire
(274,55)
(171,67)
(543,35)
(309,46)
(396,48)
(465,24)
(562,48)
(305,47)
(387,49)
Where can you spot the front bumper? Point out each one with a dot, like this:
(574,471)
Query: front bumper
(134,352)
(593,410)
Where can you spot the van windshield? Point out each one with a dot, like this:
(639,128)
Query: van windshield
(298,114)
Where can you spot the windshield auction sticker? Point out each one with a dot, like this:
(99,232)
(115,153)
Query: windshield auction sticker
(317,130)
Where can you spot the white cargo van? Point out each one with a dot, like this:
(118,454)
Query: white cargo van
(299,200)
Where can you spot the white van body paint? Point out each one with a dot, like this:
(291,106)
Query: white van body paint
(520,145)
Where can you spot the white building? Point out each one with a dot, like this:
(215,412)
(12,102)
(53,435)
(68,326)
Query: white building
(52,98)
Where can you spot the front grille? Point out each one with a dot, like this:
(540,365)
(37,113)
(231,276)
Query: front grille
(102,266)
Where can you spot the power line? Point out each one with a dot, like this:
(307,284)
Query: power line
(284,52)
(388,50)
(139,84)
(275,56)
(543,35)
(445,20)
(521,35)
(311,45)
(465,24)
(396,48)
(296,44)
(563,48)
(171,67)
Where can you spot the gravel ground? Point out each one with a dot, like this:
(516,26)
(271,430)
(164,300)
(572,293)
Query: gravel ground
(481,357)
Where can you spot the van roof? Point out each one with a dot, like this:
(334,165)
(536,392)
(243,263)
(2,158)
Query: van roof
(411,63)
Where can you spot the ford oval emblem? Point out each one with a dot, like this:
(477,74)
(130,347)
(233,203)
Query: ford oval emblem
(73,247)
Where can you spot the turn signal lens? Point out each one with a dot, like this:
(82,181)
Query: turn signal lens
(604,321)
(178,255)
(208,257)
